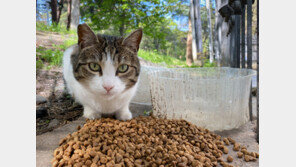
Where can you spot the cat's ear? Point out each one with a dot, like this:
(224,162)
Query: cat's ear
(86,36)
(133,40)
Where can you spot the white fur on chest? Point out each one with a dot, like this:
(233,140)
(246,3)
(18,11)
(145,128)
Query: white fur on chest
(89,98)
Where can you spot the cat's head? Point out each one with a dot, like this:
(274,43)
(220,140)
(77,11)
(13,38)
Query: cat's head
(107,65)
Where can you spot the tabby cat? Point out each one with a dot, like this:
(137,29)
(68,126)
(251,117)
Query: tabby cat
(102,72)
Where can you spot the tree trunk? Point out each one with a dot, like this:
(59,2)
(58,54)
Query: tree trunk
(198,27)
(218,22)
(210,30)
(75,13)
(69,14)
(249,51)
(232,42)
(237,17)
(193,23)
(224,39)
(257,129)
(243,37)
(53,5)
(59,12)
(189,58)
(121,28)
(249,33)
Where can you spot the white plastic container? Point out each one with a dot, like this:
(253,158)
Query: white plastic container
(143,95)
(213,98)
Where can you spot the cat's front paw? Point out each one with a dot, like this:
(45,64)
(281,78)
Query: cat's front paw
(124,115)
(91,114)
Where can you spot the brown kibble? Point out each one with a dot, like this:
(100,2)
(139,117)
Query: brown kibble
(196,163)
(88,162)
(78,127)
(103,160)
(229,158)
(144,141)
(236,147)
(231,140)
(257,155)
(253,154)
(225,150)
(240,154)
(226,141)
(247,158)
(93,165)
(244,151)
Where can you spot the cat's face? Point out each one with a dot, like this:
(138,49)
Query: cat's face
(107,65)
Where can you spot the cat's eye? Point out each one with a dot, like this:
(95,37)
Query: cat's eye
(123,68)
(94,67)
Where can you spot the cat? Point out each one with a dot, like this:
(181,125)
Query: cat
(101,72)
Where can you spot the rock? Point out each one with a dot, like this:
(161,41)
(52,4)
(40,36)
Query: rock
(53,123)
(40,99)
(41,112)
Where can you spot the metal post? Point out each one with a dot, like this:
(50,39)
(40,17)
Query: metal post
(249,51)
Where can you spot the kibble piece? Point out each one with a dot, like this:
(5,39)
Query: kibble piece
(236,147)
(253,154)
(244,151)
(240,154)
(229,158)
(247,158)
(257,155)
(226,141)
(93,165)
(103,160)
(225,150)
(231,140)
(88,162)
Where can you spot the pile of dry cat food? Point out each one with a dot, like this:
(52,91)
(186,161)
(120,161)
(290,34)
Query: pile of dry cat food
(145,141)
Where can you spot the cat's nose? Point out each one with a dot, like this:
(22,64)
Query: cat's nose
(108,88)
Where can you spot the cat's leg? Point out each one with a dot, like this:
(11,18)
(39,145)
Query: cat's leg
(90,113)
(124,114)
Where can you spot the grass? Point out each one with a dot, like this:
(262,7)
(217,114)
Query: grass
(157,58)
(61,29)
(169,61)
(48,58)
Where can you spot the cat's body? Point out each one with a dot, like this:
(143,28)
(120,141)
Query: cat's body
(102,72)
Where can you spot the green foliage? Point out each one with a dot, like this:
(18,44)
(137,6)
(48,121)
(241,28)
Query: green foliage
(158,58)
(147,113)
(208,64)
(47,58)
(52,57)
(120,17)
(168,61)
(60,28)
